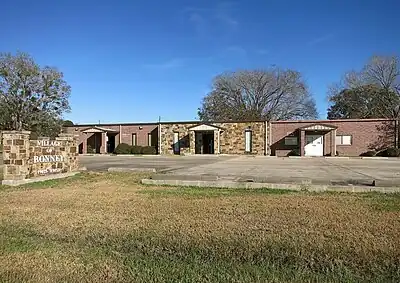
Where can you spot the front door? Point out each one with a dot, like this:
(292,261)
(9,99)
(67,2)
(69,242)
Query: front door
(208,143)
(314,145)
(111,144)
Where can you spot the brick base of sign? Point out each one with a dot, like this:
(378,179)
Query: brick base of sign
(26,159)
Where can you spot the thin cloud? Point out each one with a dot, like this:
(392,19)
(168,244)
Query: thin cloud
(199,22)
(226,19)
(320,39)
(237,49)
(170,64)
(262,51)
(204,20)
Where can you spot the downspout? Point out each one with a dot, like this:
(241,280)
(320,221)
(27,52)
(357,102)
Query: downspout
(159,138)
(218,133)
(266,138)
(120,134)
(270,137)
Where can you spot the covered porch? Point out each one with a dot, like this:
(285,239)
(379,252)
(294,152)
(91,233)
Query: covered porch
(98,140)
(317,140)
(205,139)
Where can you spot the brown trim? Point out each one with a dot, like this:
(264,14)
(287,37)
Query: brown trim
(207,124)
(164,123)
(319,124)
(331,121)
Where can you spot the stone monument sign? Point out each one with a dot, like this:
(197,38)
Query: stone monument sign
(28,160)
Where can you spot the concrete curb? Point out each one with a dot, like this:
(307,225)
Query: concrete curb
(14,183)
(299,157)
(251,185)
(375,157)
(118,169)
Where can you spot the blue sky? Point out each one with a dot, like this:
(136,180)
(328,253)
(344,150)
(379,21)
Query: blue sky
(133,61)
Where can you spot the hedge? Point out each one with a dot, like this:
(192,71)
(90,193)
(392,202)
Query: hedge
(124,148)
(389,152)
(368,153)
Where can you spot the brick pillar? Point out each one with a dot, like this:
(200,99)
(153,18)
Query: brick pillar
(192,142)
(15,155)
(333,142)
(70,152)
(84,146)
(302,142)
(216,142)
(103,147)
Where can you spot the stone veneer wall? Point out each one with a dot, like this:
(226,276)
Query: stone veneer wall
(167,138)
(18,153)
(232,138)
(68,150)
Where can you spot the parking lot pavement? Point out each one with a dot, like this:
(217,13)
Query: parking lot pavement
(262,169)
(160,163)
(314,170)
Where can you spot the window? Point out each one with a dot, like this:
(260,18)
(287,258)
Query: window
(247,141)
(343,140)
(291,141)
(149,139)
(134,139)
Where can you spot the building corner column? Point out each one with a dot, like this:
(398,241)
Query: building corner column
(302,142)
(159,139)
(192,142)
(84,144)
(103,148)
(266,138)
(333,142)
(216,141)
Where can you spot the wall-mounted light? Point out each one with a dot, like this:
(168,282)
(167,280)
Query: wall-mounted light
(140,127)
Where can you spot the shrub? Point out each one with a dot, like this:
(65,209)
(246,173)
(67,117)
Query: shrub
(149,150)
(294,152)
(123,148)
(136,149)
(368,153)
(389,152)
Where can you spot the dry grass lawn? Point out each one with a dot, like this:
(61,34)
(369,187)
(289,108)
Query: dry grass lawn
(100,227)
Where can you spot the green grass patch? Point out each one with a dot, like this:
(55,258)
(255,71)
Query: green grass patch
(166,191)
(384,202)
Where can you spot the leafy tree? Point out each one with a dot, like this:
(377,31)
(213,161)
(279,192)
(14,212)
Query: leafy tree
(260,94)
(31,97)
(67,123)
(374,92)
(362,102)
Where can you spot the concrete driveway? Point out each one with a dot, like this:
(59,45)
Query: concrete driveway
(260,169)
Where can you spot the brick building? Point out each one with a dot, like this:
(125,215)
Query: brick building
(310,138)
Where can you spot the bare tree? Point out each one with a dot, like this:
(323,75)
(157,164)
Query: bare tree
(30,97)
(248,95)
